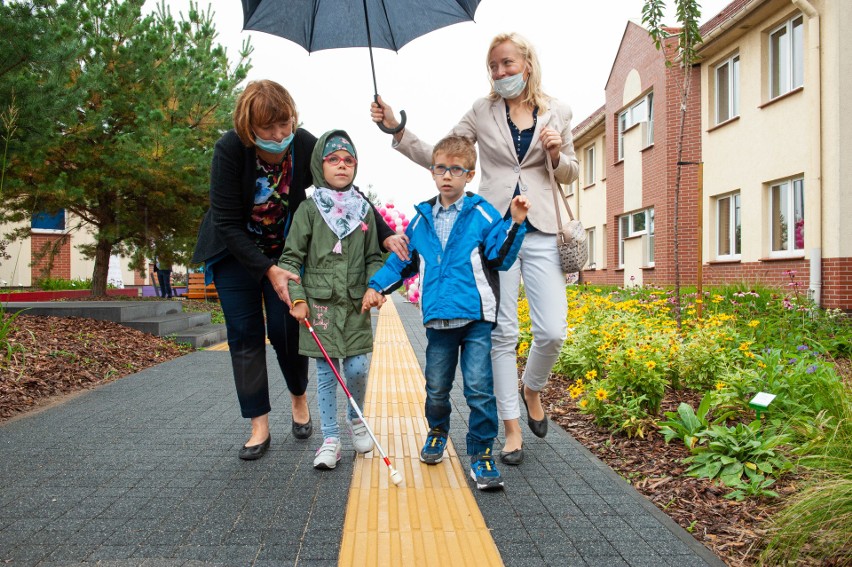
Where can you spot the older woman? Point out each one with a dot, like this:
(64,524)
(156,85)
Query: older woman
(517,128)
(258,178)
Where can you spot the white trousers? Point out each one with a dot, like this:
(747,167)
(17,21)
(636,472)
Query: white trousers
(544,283)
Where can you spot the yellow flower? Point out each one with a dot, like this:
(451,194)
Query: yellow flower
(583,403)
(631,352)
(650,364)
(761,364)
(720,386)
(744,346)
(591,374)
(753,323)
(601,394)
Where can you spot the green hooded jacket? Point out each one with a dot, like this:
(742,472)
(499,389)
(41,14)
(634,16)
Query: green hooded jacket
(333,284)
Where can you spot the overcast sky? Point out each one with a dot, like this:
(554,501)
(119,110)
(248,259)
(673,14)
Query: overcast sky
(435,78)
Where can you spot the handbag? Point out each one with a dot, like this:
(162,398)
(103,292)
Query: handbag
(571,238)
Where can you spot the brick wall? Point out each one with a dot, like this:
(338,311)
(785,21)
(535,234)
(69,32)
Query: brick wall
(57,246)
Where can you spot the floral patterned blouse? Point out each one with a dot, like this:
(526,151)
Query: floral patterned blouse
(270,216)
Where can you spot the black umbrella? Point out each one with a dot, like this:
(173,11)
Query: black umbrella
(329,24)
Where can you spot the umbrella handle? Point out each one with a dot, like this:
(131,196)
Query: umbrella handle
(387,130)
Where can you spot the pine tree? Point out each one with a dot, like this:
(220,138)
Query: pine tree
(148,98)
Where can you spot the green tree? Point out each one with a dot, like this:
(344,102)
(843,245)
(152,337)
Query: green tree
(150,96)
(679,46)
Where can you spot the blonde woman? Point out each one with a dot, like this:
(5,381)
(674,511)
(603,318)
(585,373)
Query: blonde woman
(517,128)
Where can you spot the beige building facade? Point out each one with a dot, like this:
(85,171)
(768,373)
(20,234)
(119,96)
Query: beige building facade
(772,134)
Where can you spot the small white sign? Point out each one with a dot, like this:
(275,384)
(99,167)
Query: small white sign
(762,399)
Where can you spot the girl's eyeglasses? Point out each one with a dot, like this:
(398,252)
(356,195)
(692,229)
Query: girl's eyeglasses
(455,170)
(348,161)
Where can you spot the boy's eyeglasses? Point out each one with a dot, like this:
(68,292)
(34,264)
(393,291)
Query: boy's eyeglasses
(455,170)
(348,161)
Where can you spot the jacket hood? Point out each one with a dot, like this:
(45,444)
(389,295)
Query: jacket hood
(316,157)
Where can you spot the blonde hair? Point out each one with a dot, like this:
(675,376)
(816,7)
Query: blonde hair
(262,102)
(458,147)
(533,94)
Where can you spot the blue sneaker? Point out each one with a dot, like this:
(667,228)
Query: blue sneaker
(484,472)
(432,452)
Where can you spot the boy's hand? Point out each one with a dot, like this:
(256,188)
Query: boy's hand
(520,206)
(300,311)
(372,299)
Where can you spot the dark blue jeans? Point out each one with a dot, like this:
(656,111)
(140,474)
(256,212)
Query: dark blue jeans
(165,277)
(471,343)
(243,300)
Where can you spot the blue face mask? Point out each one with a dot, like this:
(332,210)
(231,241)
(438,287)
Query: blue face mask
(272,146)
(510,87)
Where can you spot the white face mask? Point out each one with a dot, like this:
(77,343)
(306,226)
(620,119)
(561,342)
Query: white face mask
(510,87)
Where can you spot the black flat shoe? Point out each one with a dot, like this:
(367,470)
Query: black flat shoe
(515,457)
(255,451)
(537,426)
(303,430)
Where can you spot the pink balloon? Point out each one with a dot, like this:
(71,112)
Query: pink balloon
(382,211)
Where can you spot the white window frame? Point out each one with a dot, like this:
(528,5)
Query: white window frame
(641,111)
(590,165)
(792,203)
(731,95)
(591,263)
(629,226)
(732,218)
(787,63)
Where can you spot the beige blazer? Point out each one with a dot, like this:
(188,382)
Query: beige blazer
(485,124)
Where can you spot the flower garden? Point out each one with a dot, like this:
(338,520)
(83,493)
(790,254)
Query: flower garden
(625,354)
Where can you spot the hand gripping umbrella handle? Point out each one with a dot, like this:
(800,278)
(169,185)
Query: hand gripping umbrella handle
(384,128)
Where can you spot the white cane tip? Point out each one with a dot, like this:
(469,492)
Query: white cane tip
(396,478)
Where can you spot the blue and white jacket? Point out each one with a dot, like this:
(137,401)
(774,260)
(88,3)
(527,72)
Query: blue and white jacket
(460,281)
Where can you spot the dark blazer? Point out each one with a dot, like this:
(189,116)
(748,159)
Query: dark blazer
(233,175)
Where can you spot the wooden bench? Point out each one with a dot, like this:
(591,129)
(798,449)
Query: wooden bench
(196,289)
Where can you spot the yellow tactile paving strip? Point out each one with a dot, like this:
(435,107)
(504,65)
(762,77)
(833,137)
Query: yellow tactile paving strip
(432,518)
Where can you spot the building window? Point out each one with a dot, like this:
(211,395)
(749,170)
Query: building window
(590,165)
(786,57)
(728,226)
(728,89)
(44,220)
(787,216)
(640,223)
(622,126)
(639,112)
(590,242)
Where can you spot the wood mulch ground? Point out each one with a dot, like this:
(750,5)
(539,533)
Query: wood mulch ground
(45,358)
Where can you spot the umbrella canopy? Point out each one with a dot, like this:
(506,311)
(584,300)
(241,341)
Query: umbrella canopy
(330,24)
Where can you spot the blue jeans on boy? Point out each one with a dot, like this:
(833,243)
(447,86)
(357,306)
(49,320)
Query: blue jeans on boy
(355,369)
(473,341)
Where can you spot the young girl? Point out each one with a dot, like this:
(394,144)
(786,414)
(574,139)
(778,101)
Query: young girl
(333,243)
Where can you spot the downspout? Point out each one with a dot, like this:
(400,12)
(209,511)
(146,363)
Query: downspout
(814,90)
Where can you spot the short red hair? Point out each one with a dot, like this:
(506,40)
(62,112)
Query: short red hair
(262,103)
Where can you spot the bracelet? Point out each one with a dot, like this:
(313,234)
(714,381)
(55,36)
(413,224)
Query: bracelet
(298,301)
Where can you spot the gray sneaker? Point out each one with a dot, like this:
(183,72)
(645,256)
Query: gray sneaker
(360,438)
(328,454)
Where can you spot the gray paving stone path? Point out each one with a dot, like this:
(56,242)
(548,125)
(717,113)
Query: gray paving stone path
(143,471)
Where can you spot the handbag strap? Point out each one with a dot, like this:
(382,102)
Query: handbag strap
(557,188)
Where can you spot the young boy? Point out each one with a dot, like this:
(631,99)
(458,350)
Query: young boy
(457,240)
